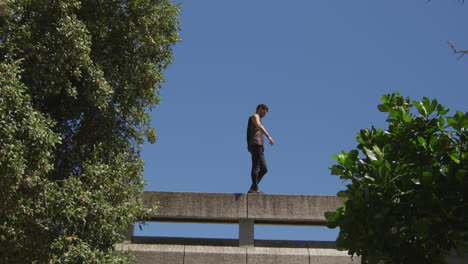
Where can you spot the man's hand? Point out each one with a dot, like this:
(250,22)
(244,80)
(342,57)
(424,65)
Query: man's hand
(271,141)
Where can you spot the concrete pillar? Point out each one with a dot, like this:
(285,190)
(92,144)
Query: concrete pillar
(246,233)
(129,234)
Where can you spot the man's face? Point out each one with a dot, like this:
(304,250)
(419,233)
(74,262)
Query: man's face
(262,112)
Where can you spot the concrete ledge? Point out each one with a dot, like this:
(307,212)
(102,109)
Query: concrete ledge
(260,255)
(149,254)
(204,254)
(331,256)
(181,254)
(233,207)
(197,207)
(291,209)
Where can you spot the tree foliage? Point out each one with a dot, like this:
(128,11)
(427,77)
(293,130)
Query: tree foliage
(407,197)
(76,81)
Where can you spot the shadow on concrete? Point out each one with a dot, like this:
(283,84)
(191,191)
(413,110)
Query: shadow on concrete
(231,242)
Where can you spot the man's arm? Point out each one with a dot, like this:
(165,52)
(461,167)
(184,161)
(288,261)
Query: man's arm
(258,124)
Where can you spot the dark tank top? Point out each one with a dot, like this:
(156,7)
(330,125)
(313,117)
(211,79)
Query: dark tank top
(254,136)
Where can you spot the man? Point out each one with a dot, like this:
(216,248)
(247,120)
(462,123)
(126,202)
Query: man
(255,136)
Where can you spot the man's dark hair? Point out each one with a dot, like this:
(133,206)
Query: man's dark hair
(262,106)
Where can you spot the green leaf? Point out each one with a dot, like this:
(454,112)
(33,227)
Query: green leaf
(455,157)
(421,109)
(353,154)
(384,98)
(426,102)
(396,113)
(342,194)
(441,111)
(383,108)
(441,122)
(452,120)
(377,151)
(433,141)
(408,118)
(423,142)
(400,101)
(337,170)
(433,106)
(330,216)
(369,154)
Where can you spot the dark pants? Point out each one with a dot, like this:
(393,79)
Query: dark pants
(259,167)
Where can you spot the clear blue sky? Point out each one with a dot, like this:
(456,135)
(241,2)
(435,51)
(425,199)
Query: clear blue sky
(321,66)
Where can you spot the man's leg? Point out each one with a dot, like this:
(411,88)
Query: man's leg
(263,166)
(256,165)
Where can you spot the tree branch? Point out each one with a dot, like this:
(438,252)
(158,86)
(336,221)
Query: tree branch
(455,51)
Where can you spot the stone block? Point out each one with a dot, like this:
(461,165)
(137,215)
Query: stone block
(260,255)
(331,256)
(291,209)
(207,254)
(197,207)
(152,254)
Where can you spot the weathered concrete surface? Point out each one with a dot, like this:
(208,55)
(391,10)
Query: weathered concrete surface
(232,207)
(260,255)
(189,241)
(204,254)
(246,233)
(188,254)
(291,209)
(455,259)
(197,207)
(149,254)
(331,256)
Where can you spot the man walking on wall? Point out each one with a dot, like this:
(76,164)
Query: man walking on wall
(255,137)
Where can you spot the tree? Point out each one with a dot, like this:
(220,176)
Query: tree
(76,81)
(406,201)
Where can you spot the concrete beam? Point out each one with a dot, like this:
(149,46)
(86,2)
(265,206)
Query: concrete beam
(197,207)
(204,254)
(260,255)
(217,242)
(331,256)
(291,209)
(232,207)
(150,254)
(189,254)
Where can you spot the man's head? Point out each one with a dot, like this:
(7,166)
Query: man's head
(262,110)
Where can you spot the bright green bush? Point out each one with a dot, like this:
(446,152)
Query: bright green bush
(407,197)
